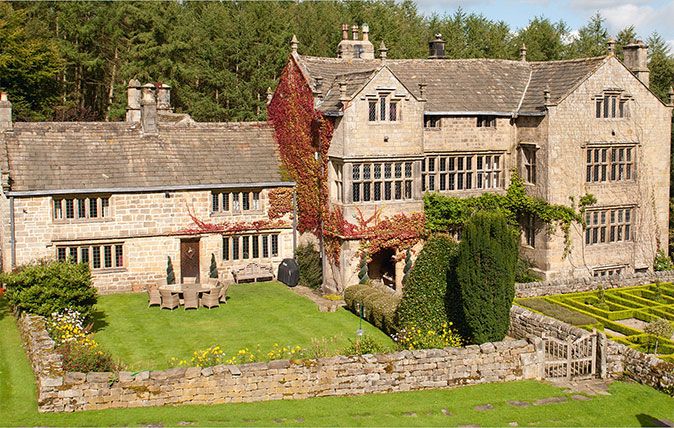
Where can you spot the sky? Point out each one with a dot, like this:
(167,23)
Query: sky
(647,16)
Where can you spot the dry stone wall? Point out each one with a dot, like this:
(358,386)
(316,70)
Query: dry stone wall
(547,288)
(275,380)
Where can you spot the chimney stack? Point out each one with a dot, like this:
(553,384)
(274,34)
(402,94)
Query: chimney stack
(345,31)
(148,110)
(436,47)
(355,48)
(636,59)
(133,96)
(366,32)
(523,53)
(5,112)
(164,98)
(610,44)
(354,32)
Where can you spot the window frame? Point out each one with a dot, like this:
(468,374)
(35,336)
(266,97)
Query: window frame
(236,201)
(96,255)
(459,171)
(79,208)
(246,247)
(380,181)
(611,163)
(381,106)
(610,225)
(612,104)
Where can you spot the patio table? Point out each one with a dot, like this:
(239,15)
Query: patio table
(178,288)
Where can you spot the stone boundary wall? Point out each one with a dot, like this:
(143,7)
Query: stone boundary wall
(275,380)
(614,359)
(573,285)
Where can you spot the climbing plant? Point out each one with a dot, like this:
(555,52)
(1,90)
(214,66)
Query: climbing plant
(280,202)
(303,135)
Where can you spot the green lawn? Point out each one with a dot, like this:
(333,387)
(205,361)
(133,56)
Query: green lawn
(256,314)
(628,404)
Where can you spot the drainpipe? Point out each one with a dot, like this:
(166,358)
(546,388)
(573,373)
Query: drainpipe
(12,234)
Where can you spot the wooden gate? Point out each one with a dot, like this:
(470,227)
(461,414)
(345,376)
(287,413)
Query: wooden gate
(570,359)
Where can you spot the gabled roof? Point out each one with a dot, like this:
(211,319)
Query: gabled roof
(463,85)
(86,156)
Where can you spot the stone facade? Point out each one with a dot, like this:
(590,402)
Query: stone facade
(276,380)
(542,119)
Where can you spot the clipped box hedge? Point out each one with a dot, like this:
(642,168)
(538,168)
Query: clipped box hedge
(379,305)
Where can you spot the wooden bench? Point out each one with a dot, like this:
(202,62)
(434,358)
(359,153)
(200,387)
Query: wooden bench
(253,272)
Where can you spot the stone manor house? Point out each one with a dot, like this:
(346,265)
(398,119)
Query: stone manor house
(123,197)
(461,127)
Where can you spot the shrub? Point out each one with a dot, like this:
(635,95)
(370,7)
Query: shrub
(524,273)
(213,269)
(379,305)
(657,329)
(44,288)
(485,273)
(413,337)
(78,357)
(662,262)
(363,345)
(424,301)
(170,274)
(309,262)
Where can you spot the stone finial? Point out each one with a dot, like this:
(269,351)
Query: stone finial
(382,50)
(610,45)
(422,87)
(546,95)
(319,86)
(354,32)
(270,94)
(164,98)
(5,112)
(671,96)
(523,52)
(133,96)
(366,32)
(294,43)
(342,91)
(345,31)
(148,109)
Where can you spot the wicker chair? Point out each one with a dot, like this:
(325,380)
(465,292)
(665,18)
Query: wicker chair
(223,292)
(191,296)
(212,282)
(212,298)
(169,300)
(153,297)
(189,280)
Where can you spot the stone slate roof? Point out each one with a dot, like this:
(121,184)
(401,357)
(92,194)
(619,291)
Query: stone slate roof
(463,85)
(94,156)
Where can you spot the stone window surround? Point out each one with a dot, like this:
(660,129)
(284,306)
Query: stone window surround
(229,245)
(391,97)
(610,225)
(609,163)
(231,202)
(468,175)
(399,180)
(528,162)
(104,208)
(619,108)
(115,245)
(529,232)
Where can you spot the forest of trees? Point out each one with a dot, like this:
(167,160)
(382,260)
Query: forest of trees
(71,60)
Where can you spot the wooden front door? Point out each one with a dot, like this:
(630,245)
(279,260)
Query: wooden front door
(189,258)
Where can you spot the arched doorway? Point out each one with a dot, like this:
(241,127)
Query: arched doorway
(382,268)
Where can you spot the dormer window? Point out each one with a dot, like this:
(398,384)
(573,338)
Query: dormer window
(611,104)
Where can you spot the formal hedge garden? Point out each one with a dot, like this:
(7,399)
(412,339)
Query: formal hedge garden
(634,316)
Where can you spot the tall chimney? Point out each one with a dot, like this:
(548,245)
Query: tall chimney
(133,96)
(5,112)
(523,52)
(610,45)
(164,98)
(436,47)
(345,31)
(636,59)
(148,110)
(354,32)
(366,32)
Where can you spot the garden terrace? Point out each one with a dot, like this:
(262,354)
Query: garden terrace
(621,313)
(256,314)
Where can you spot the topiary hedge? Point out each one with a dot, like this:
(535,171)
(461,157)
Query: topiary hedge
(424,302)
(43,288)
(485,272)
(379,305)
(309,262)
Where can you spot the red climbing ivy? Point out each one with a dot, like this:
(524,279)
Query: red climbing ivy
(399,232)
(280,202)
(301,131)
(201,226)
